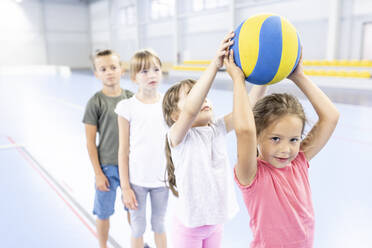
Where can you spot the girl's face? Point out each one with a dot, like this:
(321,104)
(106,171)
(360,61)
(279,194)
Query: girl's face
(205,115)
(108,70)
(149,78)
(279,143)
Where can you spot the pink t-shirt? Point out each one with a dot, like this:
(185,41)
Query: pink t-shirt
(280,206)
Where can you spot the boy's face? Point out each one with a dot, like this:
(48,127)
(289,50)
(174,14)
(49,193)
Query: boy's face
(108,70)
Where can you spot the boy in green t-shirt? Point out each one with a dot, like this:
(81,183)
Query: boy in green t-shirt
(100,117)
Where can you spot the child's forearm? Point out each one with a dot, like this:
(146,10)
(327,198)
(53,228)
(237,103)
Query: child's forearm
(323,106)
(123,153)
(256,93)
(124,171)
(243,119)
(200,90)
(93,156)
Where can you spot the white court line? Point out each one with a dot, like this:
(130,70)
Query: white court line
(63,193)
(10,146)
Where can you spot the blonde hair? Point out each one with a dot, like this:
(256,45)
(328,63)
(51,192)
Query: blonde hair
(275,106)
(142,59)
(170,102)
(102,53)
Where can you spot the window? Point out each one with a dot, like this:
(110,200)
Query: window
(199,5)
(128,15)
(162,8)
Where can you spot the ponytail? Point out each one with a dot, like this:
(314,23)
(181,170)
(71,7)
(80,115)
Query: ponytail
(170,169)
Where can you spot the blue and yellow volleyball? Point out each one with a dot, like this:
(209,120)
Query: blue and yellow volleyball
(267,48)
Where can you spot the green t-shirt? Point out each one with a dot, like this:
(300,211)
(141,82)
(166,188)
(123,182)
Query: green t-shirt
(100,112)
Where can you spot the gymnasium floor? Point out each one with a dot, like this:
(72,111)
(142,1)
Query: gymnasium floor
(47,183)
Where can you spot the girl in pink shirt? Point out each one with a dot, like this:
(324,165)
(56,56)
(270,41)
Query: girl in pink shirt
(275,183)
(198,170)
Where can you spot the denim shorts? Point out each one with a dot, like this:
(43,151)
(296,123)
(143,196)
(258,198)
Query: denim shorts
(104,201)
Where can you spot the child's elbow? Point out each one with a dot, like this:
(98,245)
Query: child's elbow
(335,116)
(332,118)
(244,130)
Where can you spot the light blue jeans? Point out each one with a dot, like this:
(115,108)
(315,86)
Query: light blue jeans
(159,201)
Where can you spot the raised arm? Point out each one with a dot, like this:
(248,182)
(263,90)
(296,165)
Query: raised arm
(327,113)
(197,94)
(255,94)
(244,125)
(129,198)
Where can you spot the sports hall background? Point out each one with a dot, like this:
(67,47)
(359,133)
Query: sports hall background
(46,179)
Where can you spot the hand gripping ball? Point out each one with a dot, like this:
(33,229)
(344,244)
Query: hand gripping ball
(267,48)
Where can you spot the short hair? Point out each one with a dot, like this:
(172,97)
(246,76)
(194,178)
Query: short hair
(102,53)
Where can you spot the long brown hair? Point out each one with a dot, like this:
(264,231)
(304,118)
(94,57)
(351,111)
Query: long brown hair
(272,107)
(170,102)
